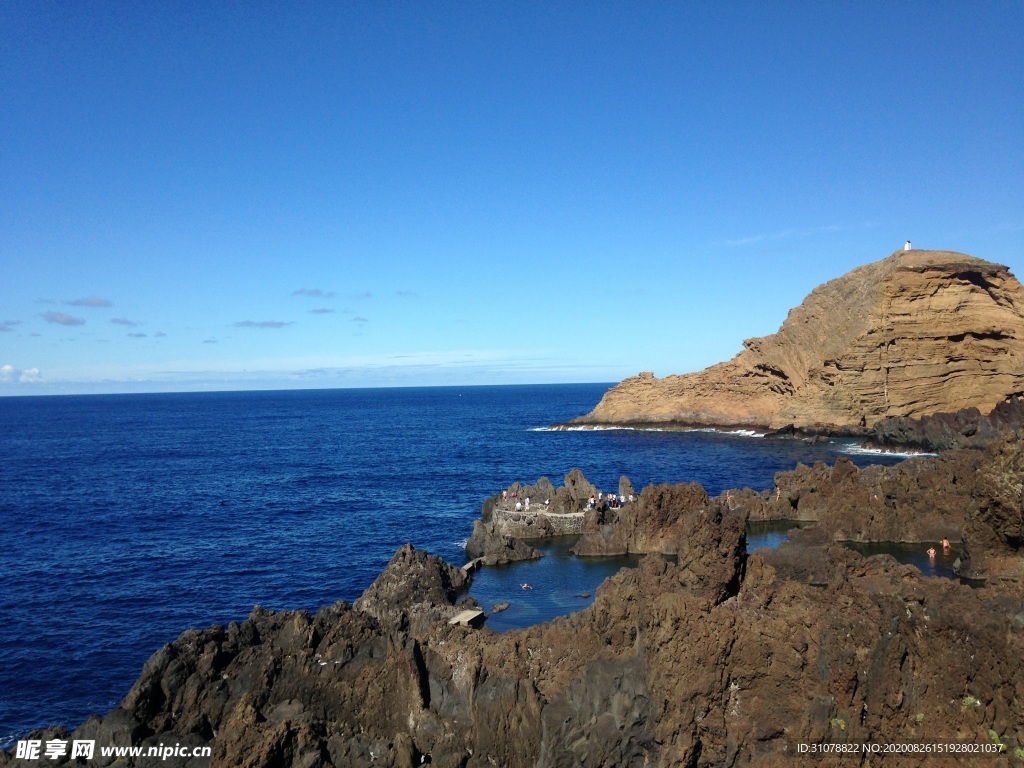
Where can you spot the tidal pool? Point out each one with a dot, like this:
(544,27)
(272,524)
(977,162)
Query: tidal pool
(561,583)
(913,554)
(558,582)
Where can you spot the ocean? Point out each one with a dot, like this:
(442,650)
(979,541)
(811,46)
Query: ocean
(130,518)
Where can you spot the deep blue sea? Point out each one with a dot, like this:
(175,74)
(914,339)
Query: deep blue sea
(130,518)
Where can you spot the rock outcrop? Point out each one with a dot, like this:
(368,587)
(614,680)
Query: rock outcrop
(917,333)
(967,428)
(507,518)
(705,662)
(415,590)
(971,497)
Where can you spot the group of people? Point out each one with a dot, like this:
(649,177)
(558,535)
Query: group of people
(614,501)
(945,549)
(521,504)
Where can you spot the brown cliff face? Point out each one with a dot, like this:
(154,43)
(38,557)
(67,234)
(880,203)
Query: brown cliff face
(917,333)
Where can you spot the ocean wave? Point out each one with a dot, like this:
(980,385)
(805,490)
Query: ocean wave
(617,428)
(860,450)
(737,432)
(596,428)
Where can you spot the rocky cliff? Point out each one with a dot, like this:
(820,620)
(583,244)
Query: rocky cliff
(916,333)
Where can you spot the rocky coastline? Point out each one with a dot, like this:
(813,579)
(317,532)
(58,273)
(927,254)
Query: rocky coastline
(914,334)
(704,655)
(932,433)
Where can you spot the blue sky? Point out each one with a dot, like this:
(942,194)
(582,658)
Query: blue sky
(242,195)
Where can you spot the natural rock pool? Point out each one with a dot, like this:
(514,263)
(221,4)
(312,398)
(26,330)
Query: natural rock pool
(562,583)
(558,582)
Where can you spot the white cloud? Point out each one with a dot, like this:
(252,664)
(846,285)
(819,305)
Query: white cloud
(11,375)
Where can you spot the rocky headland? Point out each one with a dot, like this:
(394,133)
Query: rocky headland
(915,334)
(715,656)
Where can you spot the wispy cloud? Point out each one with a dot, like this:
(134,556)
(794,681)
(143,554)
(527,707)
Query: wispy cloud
(125,321)
(8,325)
(322,311)
(315,293)
(61,319)
(360,320)
(90,301)
(137,335)
(783,235)
(209,341)
(263,323)
(159,334)
(407,294)
(363,296)
(11,375)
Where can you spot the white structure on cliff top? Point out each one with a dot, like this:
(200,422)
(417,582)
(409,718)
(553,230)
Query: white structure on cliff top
(907,246)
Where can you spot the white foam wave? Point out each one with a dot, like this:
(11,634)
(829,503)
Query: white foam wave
(596,428)
(860,450)
(738,432)
(616,428)
(461,543)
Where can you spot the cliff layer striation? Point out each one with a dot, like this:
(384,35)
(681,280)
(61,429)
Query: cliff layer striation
(917,333)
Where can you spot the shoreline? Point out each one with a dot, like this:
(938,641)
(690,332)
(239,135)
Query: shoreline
(412,598)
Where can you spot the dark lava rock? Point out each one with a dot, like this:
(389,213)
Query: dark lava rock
(654,523)
(415,588)
(969,496)
(967,428)
(497,548)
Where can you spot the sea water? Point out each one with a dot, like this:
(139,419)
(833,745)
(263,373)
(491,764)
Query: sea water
(128,519)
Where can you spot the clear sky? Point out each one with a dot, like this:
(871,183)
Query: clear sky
(235,195)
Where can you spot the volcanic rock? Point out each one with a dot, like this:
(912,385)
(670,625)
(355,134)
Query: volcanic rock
(917,333)
(658,671)
(415,589)
(654,523)
(967,428)
(968,496)
(498,534)
(719,658)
